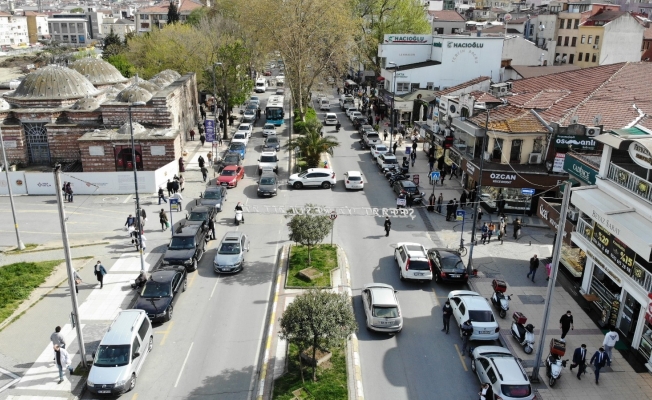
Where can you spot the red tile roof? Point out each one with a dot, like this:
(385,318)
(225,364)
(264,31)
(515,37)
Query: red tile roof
(609,91)
(604,16)
(484,97)
(187,6)
(447,15)
(510,119)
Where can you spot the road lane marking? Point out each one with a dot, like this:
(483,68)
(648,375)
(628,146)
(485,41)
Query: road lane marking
(214,287)
(192,280)
(183,366)
(134,397)
(459,353)
(165,333)
(127,199)
(435,299)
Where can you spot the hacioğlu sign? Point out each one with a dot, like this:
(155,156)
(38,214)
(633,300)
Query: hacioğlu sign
(579,170)
(318,210)
(407,39)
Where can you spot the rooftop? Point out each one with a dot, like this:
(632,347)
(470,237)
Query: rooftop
(526,71)
(447,15)
(510,119)
(415,65)
(484,97)
(463,85)
(187,6)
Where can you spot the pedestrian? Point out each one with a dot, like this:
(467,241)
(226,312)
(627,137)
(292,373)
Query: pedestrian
(440,201)
(99,273)
(486,391)
(450,209)
(202,112)
(579,360)
(179,198)
(169,188)
(201,161)
(467,331)
(413,157)
(143,218)
(455,206)
(472,196)
(385,134)
(517,228)
(394,147)
(610,340)
(69,192)
(64,196)
(182,167)
(131,222)
(77,279)
(442,175)
(453,171)
(431,202)
(485,232)
(181,181)
(414,145)
(209,156)
(63,360)
(480,212)
(57,338)
(463,199)
(161,195)
(202,139)
(534,264)
(490,233)
(204,173)
(598,360)
(219,140)
(387,225)
(163,219)
(548,270)
(142,241)
(565,323)
(447,311)
(431,163)
(192,134)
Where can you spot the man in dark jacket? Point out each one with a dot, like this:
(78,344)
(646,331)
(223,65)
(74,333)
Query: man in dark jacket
(448,311)
(467,331)
(450,209)
(599,359)
(534,264)
(387,225)
(566,324)
(579,360)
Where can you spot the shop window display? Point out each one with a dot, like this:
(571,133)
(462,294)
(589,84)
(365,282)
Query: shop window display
(513,201)
(574,259)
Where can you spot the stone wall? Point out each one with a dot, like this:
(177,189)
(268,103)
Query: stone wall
(10,134)
(106,162)
(62,140)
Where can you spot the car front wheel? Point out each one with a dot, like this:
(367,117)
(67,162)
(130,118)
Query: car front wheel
(168,313)
(132,382)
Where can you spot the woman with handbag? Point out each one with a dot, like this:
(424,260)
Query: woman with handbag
(163,219)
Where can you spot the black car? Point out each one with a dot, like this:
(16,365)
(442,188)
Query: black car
(365,128)
(200,215)
(213,197)
(272,143)
(161,292)
(187,246)
(231,158)
(409,188)
(447,265)
(359,121)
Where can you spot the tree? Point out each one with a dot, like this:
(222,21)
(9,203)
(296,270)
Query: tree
(173,13)
(77,10)
(318,318)
(123,65)
(312,145)
(309,229)
(113,45)
(380,17)
(196,16)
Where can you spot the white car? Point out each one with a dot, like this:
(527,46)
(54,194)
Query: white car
(240,137)
(386,160)
(413,262)
(504,372)
(269,129)
(280,77)
(353,180)
(330,119)
(268,161)
(471,305)
(323,177)
(245,128)
(354,114)
(381,308)
(350,110)
(249,115)
(377,149)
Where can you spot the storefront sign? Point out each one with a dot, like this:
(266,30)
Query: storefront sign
(407,39)
(466,45)
(209,126)
(640,155)
(604,268)
(502,178)
(612,247)
(577,142)
(579,170)
(558,165)
(550,215)
(437,44)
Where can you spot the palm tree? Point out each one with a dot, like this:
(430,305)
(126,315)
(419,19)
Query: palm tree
(312,144)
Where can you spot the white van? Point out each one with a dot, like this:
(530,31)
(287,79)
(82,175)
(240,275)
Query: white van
(261,85)
(121,354)
(324,104)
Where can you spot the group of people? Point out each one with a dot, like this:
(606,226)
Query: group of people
(66,189)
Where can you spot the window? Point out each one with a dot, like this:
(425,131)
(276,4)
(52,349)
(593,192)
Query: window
(430,85)
(515,151)
(414,87)
(586,57)
(537,146)
(571,59)
(561,23)
(566,40)
(583,40)
(144,17)
(491,375)
(80,27)
(590,39)
(559,41)
(135,347)
(577,24)
(594,58)
(498,149)
(402,86)
(574,41)
(144,327)
(597,40)
(462,309)
(569,23)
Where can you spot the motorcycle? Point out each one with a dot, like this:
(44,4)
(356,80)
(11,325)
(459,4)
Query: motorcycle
(554,366)
(397,177)
(238,217)
(337,127)
(499,299)
(524,334)
(363,145)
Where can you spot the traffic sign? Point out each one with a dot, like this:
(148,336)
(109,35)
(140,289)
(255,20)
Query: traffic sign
(434,176)
(459,215)
(173,201)
(401,201)
(507,17)
(333,215)
(527,192)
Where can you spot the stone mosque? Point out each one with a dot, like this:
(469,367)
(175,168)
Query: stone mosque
(79,116)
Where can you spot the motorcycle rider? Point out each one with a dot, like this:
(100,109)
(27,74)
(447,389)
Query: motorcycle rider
(338,126)
(238,207)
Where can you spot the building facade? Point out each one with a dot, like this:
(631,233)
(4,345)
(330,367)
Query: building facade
(74,31)
(13,30)
(157,15)
(37,27)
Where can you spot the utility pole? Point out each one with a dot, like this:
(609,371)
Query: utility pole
(21,246)
(71,277)
(138,212)
(566,187)
(391,115)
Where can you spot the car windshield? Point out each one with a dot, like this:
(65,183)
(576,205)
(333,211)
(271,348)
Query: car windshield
(182,243)
(390,161)
(112,356)
(451,264)
(303,174)
(239,136)
(228,172)
(381,148)
(233,159)
(243,128)
(155,289)
(229,248)
(198,216)
(272,140)
(481,316)
(267,180)
(250,111)
(236,146)
(420,265)
(269,126)
(409,189)
(213,194)
(385,312)
(268,159)
(516,390)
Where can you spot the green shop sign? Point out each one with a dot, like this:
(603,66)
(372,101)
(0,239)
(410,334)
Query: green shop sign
(437,44)
(579,170)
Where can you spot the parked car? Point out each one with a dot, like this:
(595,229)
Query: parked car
(238,147)
(246,128)
(272,143)
(268,184)
(200,215)
(268,161)
(231,158)
(249,115)
(323,177)
(377,149)
(447,266)
(240,137)
(280,91)
(354,114)
(230,256)
(359,121)
(269,129)
(330,119)
(381,308)
(503,371)
(213,197)
(366,128)
(353,180)
(161,291)
(230,176)
(471,305)
(412,261)
(371,138)
(386,160)
(187,247)
(410,189)
(350,110)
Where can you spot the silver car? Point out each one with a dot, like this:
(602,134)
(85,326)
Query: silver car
(381,308)
(498,367)
(230,256)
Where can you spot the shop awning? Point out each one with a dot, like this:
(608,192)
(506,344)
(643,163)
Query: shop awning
(621,221)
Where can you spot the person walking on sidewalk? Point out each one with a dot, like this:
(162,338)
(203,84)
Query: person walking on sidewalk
(394,147)
(485,232)
(181,182)
(201,161)
(610,340)
(202,139)
(517,228)
(57,338)
(211,227)
(161,195)
(169,188)
(440,201)
(209,156)
(192,135)
(467,331)
(599,359)
(387,225)
(453,171)
(566,324)
(413,157)
(131,222)
(490,233)
(534,264)
(442,175)
(99,273)
(448,311)
(463,199)
(204,173)
(77,279)
(385,134)
(431,163)
(63,360)
(163,219)
(579,360)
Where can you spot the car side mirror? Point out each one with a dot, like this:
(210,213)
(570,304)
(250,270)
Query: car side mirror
(186,216)
(93,354)
(136,355)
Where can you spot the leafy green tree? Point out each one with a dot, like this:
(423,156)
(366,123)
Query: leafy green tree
(317,319)
(312,145)
(309,230)
(380,17)
(173,13)
(77,10)
(196,16)
(123,65)
(113,45)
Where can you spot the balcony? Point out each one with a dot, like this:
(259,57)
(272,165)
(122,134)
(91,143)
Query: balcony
(631,182)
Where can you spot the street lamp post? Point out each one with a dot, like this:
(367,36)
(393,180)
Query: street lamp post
(21,246)
(133,160)
(391,120)
(478,192)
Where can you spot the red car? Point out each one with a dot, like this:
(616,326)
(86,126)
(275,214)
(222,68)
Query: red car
(268,73)
(230,176)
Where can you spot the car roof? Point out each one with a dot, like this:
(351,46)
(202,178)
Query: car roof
(232,236)
(272,138)
(407,184)
(187,230)
(163,275)
(510,370)
(354,173)
(122,327)
(331,115)
(267,173)
(476,303)
(269,125)
(245,125)
(319,170)
(416,250)
(387,156)
(382,294)
(250,110)
(239,133)
(201,209)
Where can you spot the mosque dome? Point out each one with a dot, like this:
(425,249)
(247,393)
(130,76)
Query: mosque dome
(53,82)
(133,94)
(98,71)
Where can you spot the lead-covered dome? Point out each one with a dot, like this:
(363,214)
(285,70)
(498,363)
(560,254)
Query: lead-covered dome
(53,83)
(86,104)
(98,71)
(133,94)
(165,78)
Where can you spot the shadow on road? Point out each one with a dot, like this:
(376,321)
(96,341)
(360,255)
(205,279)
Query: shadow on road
(228,384)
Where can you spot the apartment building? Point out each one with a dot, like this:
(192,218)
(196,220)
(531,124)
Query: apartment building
(37,26)
(13,30)
(74,31)
(157,15)
(119,26)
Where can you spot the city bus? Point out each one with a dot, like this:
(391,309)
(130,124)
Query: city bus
(274,112)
